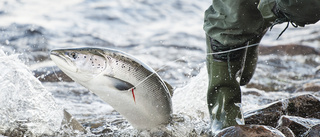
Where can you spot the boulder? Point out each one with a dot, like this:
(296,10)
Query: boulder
(313,131)
(302,106)
(250,131)
(297,115)
(297,125)
(265,116)
(286,131)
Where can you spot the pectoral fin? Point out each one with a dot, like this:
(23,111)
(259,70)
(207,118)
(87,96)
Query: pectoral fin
(120,84)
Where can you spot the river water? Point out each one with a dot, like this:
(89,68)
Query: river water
(168,36)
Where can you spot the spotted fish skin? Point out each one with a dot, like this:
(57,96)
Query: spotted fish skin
(130,86)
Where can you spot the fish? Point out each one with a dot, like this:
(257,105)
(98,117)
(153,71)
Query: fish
(127,84)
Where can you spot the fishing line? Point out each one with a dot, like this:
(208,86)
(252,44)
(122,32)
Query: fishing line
(221,52)
(56,75)
(215,53)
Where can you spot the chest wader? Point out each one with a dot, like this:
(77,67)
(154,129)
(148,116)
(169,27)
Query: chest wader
(227,71)
(230,24)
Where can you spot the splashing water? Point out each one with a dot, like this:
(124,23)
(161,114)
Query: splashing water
(26,107)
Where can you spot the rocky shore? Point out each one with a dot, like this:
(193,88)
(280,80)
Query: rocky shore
(298,116)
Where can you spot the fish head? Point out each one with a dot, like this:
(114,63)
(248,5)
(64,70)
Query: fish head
(82,64)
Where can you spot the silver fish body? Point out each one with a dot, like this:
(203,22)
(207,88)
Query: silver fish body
(131,87)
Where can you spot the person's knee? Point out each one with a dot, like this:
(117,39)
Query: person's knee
(301,12)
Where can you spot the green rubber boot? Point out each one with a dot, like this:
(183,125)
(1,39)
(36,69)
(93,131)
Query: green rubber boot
(224,96)
(227,71)
(250,64)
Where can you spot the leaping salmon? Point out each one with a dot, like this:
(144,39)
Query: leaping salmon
(130,86)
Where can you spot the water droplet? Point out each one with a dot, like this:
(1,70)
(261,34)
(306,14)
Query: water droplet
(7,42)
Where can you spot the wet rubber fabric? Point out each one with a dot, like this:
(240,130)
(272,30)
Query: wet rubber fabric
(234,22)
(226,74)
(224,95)
(300,12)
(230,24)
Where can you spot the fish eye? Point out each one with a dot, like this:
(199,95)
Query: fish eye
(73,55)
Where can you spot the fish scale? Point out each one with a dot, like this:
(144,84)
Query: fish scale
(148,85)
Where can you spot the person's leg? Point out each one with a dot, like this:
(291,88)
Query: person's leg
(233,23)
(230,24)
(226,73)
(224,95)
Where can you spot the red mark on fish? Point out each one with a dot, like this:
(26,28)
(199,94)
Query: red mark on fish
(134,98)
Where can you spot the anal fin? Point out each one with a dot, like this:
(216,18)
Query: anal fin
(169,87)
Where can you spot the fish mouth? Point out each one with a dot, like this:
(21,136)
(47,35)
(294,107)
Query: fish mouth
(57,54)
(61,61)
(53,52)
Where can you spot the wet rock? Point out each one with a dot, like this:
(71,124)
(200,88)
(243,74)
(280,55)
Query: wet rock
(290,50)
(250,131)
(302,106)
(297,125)
(252,92)
(286,131)
(313,132)
(313,86)
(265,116)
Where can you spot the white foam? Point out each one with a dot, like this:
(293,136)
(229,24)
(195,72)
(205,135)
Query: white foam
(24,102)
(192,98)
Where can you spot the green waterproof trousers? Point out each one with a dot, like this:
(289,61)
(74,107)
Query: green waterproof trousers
(231,24)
